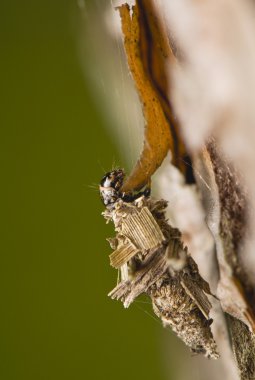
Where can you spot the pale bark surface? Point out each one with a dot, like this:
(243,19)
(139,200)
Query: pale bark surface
(212,92)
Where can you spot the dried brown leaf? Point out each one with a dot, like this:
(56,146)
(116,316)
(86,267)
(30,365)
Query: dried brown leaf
(148,51)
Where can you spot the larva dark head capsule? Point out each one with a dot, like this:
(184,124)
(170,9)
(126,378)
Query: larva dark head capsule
(110,186)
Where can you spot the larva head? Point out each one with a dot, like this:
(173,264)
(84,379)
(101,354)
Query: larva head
(110,186)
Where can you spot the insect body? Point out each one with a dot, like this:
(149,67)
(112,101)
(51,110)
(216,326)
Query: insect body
(152,260)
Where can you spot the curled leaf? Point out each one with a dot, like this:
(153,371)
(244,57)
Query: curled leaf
(148,52)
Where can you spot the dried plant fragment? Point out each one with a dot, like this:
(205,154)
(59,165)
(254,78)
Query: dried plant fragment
(148,52)
(123,254)
(142,228)
(177,291)
(197,295)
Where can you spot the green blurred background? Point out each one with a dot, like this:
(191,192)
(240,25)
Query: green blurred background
(56,319)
